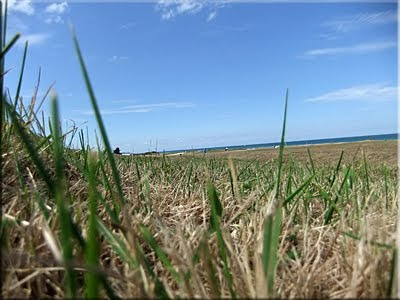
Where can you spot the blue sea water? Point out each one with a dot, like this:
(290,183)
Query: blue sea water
(379,137)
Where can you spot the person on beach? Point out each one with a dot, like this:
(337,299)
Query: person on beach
(117,151)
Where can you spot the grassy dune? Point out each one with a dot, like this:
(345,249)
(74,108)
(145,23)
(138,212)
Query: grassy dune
(84,223)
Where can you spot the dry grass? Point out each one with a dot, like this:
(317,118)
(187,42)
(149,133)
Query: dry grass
(315,260)
(376,152)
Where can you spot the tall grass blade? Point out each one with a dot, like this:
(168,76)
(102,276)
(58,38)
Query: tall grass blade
(272,223)
(8,47)
(366,171)
(118,246)
(62,210)
(329,213)
(2,110)
(311,160)
(100,122)
(5,24)
(391,288)
(21,74)
(148,237)
(336,170)
(299,189)
(205,255)
(216,213)
(282,145)
(92,279)
(30,147)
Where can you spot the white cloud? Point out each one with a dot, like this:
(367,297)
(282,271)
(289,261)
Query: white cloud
(172,8)
(212,16)
(54,19)
(56,8)
(370,92)
(22,6)
(357,21)
(33,39)
(143,108)
(355,49)
(54,12)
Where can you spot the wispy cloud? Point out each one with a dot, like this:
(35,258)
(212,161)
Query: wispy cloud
(54,19)
(370,92)
(56,8)
(354,49)
(116,58)
(212,16)
(33,39)
(172,8)
(143,108)
(54,12)
(358,21)
(22,6)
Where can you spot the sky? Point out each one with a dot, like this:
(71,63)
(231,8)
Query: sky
(182,74)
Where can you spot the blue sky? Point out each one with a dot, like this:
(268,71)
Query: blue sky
(189,73)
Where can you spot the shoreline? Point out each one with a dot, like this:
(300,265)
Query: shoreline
(301,143)
(210,151)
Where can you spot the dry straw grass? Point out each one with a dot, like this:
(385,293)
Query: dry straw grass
(169,196)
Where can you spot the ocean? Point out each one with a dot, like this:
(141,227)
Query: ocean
(378,137)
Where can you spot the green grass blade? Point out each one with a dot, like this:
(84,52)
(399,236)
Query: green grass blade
(336,170)
(298,190)
(159,288)
(62,210)
(9,46)
(329,213)
(5,24)
(391,288)
(216,207)
(216,213)
(189,176)
(99,120)
(118,246)
(205,255)
(29,145)
(386,186)
(311,160)
(272,224)
(366,171)
(92,279)
(21,74)
(148,237)
(282,145)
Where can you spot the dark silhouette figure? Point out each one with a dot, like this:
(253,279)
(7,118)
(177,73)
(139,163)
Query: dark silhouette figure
(117,151)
